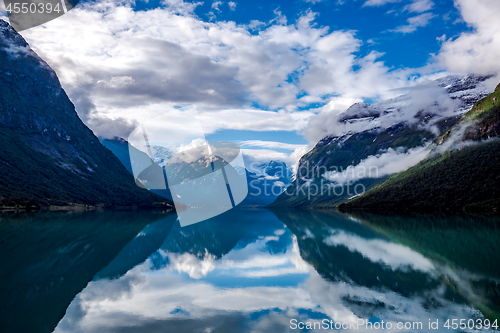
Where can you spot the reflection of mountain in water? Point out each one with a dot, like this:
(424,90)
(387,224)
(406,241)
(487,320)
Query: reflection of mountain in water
(465,248)
(328,243)
(216,236)
(243,270)
(47,258)
(246,271)
(139,249)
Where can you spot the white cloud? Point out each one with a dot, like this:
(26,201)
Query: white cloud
(126,64)
(384,164)
(188,263)
(426,97)
(379,2)
(420,6)
(254,120)
(415,22)
(127,60)
(216,4)
(477,51)
(265,155)
(269,144)
(232,5)
(181,7)
(417,6)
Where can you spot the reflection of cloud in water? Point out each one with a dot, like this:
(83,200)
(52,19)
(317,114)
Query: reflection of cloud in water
(188,263)
(164,300)
(250,261)
(378,250)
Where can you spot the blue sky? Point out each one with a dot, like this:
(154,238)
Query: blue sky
(258,72)
(374,24)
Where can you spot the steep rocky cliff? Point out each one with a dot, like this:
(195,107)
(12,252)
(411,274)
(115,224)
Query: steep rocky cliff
(47,155)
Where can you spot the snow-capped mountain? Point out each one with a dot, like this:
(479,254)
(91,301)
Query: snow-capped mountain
(460,174)
(389,136)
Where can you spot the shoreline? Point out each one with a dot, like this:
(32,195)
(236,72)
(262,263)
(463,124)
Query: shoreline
(83,208)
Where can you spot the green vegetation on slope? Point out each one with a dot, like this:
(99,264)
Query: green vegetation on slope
(30,178)
(463,180)
(329,155)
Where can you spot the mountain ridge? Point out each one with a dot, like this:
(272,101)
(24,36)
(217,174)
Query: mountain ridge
(395,125)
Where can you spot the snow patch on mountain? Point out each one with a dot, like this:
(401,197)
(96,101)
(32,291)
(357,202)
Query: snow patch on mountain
(423,105)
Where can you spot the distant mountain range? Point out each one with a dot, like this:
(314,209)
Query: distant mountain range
(461,172)
(47,155)
(266,181)
(399,128)
(120,148)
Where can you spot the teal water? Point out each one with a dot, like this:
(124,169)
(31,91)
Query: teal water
(245,271)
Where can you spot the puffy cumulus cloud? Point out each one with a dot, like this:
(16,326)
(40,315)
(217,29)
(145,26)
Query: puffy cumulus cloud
(384,164)
(415,22)
(477,51)
(179,6)
(216,4)
(113,61)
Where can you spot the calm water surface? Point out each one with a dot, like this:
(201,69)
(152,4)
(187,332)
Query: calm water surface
(244,271)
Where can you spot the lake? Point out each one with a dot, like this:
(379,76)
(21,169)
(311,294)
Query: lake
(248,271)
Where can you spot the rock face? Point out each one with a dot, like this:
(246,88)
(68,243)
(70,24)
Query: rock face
(400,124)
(47,155)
